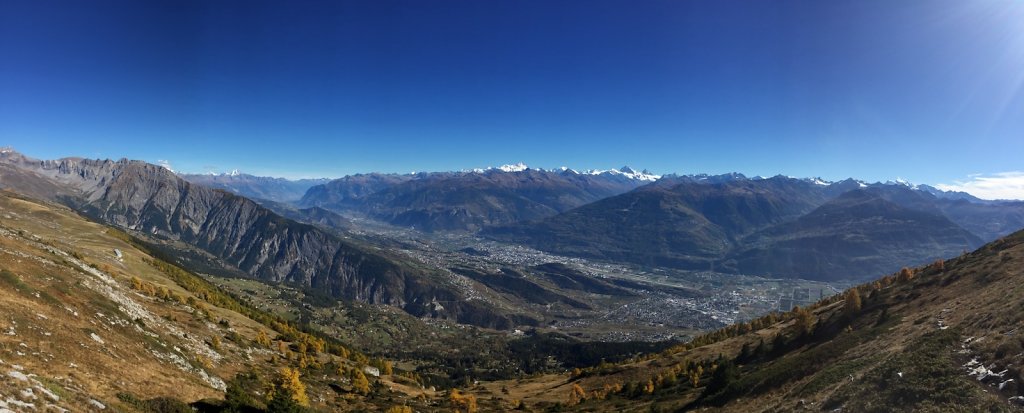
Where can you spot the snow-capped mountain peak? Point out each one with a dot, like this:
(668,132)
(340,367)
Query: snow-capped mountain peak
(901,182)
(627,172)
(166,165)
(819,181)
(518,167)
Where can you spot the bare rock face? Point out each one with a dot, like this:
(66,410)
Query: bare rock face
(147,198)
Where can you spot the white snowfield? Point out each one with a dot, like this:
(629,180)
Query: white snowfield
(625,171)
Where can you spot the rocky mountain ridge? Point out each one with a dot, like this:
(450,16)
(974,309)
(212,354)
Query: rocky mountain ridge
(240,233)
(471,200)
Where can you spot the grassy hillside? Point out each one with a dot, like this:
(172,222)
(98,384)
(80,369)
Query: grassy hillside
(938,338)
(92,314)
(91,319)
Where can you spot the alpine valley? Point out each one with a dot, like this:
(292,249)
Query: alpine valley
(129,287)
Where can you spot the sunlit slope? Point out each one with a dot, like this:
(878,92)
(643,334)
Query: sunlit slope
(88,319)
(71,317)
(944,337)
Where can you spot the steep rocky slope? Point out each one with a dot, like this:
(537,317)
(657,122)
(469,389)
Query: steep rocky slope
(66,321)
(241,234)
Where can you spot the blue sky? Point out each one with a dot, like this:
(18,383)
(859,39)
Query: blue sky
(930,91)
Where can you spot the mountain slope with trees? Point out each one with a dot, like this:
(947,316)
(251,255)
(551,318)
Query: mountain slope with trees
(940,337)
(778,227)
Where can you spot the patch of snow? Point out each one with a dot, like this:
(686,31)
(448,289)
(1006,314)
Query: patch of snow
(96,404)
(165,164)
(627,172)
(518,167)
(902,182)
(96,338)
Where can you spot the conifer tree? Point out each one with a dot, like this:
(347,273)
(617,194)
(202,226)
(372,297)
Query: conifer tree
(576,395)
(906,274)
(288,393)
(359,382)
(804,321)
(852,302)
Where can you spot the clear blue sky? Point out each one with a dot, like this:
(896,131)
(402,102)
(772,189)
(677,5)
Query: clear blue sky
(926,90)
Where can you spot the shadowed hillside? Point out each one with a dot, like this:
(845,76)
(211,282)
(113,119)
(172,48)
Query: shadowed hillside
(776,227)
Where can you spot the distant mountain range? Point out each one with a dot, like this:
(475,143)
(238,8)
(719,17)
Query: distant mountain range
(780,226)
(471,200)
(256,187)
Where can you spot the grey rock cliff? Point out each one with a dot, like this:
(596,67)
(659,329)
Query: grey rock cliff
(147,198)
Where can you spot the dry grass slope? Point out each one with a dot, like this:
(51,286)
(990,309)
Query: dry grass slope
(89,319)
(942,337)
